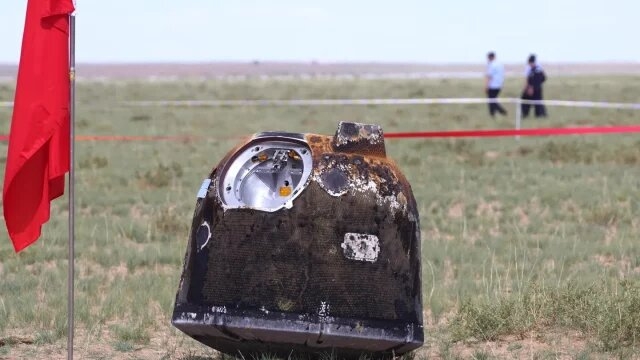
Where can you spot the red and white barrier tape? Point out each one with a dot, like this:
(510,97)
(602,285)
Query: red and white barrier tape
(517,132)
(396,135)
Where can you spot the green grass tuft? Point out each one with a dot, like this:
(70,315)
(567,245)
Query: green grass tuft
(123,346)
(136,334)
(46,337)
(610,314)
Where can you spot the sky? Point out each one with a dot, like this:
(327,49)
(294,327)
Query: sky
(424,31)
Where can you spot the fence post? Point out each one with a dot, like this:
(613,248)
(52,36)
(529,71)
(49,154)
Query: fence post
(518,116)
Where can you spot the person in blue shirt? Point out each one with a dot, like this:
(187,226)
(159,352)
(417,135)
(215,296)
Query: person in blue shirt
(535,77)
(493,84)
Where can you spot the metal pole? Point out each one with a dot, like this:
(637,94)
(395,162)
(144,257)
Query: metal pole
(518,116)
(72,110)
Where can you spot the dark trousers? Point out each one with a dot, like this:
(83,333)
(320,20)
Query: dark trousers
(493,105)
(540,110)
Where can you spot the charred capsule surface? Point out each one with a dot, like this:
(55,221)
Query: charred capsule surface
(304,242)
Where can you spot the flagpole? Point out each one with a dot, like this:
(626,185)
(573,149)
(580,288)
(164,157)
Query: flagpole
(71,245)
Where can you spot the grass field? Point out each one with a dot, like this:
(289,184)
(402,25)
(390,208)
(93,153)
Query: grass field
(531,248)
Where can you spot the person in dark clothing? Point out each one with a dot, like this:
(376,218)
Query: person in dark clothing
(533,88)
(493,85)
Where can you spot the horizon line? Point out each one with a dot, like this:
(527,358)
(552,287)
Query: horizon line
(335,62)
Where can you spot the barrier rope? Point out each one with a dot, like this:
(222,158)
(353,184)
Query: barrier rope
(399,135)
(516,132)
(342,102)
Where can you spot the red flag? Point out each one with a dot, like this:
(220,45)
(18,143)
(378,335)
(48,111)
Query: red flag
(38,155)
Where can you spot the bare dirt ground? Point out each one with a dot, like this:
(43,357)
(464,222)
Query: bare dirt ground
(557,344)
(319,69)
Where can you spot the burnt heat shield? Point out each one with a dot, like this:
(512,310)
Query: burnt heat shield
(304,242)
